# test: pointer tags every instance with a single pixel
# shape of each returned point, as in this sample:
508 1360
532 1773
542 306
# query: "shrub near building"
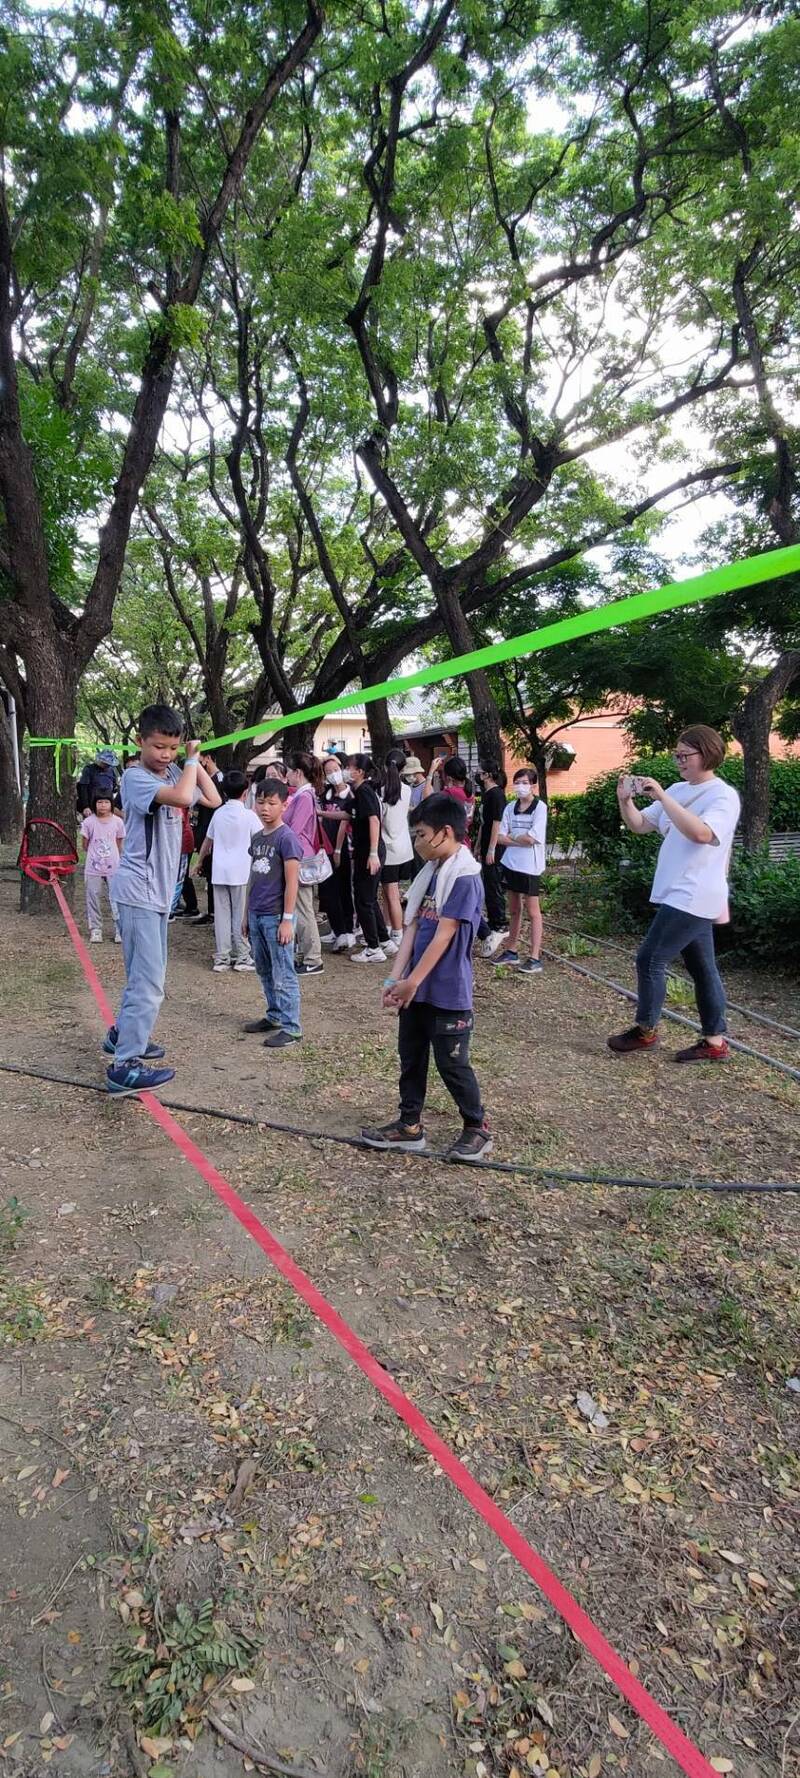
765 893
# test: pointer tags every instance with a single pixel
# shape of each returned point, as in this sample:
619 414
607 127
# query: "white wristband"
285 916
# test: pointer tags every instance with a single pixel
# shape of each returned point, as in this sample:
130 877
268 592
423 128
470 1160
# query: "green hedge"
765 901
765 895
604 839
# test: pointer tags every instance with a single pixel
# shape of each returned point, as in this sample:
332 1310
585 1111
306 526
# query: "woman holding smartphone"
697 818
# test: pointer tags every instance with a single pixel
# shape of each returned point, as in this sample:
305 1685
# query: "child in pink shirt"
102 834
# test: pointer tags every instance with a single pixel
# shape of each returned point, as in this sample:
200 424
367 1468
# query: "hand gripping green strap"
59 745
735 577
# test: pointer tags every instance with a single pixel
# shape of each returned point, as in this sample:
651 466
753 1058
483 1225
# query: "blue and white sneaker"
510 959
132 1078
153 1053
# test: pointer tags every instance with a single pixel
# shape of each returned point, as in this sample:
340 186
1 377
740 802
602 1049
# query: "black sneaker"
506 960
309 968
406 1138
154 1052
281 1040
198 920
254 1025
472 1145
131 1078
534 966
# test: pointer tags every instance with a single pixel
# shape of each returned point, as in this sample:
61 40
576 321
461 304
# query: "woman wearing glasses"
697 818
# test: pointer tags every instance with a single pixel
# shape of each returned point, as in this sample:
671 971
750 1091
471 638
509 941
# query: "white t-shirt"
533 821
395 831
230 831
689 875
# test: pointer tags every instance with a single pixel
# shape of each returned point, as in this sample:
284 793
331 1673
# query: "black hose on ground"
679 975
678 1018
519 1167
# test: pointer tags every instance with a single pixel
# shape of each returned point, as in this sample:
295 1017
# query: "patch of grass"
294 1179
679 992
103 1292
20 1315
290 1321
379 1750
165 1672
658 1209
33 980
575 946
12 1221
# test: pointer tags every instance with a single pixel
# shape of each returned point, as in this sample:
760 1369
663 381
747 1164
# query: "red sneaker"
703 1051
635 1038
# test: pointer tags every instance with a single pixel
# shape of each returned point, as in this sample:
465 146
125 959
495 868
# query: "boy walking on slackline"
154 791
431 983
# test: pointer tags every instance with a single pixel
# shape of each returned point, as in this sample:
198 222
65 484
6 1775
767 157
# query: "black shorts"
397 873
521 882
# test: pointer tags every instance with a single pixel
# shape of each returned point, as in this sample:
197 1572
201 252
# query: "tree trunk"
752 726
488 733
538 757
10 799
51 710
297 739
381 736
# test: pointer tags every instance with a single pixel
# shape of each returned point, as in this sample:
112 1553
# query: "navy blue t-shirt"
449 984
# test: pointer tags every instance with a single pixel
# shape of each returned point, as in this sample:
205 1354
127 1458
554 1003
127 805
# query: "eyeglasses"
681 758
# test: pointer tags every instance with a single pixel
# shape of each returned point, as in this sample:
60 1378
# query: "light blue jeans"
277 974
144 949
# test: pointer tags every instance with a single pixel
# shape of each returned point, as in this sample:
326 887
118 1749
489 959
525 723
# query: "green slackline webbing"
752 571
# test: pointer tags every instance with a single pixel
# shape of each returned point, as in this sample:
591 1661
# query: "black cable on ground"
678 1018
518 1167
680 975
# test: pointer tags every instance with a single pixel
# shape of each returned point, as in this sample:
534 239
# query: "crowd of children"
415 865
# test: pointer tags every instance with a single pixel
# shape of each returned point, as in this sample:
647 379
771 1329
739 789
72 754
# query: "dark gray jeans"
672 933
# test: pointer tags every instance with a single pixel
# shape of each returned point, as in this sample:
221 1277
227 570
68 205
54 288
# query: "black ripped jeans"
423 1028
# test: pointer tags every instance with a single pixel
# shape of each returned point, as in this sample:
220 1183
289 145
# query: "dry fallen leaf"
618 1728
243 1685
731 1556
543 1710
46 1722
595 1766
155 1745
437 1614
59 1477
722 1765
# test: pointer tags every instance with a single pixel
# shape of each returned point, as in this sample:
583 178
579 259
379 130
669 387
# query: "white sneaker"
391 946
244 963
95 937
220 965
376 955
118 938
329 939
493 943
344 942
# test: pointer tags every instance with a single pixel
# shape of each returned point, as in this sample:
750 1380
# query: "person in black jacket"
99 778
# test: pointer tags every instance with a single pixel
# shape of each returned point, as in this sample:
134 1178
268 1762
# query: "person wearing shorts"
522 836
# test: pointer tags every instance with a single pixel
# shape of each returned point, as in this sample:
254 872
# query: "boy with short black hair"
154 792
270 915
230 831
431 983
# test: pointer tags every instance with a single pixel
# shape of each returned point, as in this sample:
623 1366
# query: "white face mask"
336 777
523 788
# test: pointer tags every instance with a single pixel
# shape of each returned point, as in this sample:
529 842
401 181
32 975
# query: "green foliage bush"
765 894
604 839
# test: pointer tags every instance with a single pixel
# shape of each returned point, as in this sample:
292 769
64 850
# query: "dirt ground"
174 1427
